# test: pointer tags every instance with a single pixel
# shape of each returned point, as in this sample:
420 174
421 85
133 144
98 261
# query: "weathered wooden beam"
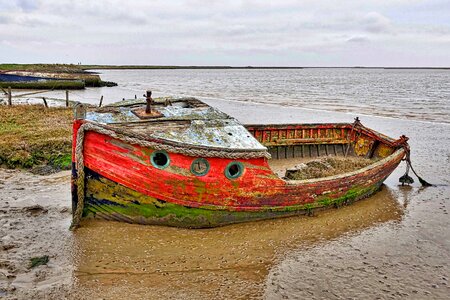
31 93
9 96
305 141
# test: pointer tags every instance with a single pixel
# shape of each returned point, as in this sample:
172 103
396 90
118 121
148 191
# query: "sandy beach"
394 244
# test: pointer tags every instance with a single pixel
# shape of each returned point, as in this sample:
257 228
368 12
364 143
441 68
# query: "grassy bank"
72 76
47 85
31 135
55 68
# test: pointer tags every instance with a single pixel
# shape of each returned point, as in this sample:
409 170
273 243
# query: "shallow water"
411 94
395 244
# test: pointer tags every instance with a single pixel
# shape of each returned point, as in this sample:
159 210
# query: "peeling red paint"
258 187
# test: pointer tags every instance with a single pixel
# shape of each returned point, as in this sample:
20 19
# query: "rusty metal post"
148 98
9 96
67 98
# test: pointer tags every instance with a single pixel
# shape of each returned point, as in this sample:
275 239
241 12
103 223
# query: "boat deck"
191 123
185 121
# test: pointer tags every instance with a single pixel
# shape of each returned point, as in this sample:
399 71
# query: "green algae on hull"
112 201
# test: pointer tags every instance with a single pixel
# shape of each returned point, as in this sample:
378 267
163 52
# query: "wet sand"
34 220
394 244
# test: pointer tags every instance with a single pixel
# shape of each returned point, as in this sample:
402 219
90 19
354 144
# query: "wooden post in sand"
67 98
101 101
45 102
9 96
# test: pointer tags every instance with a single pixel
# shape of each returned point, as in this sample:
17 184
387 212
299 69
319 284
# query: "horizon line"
144 66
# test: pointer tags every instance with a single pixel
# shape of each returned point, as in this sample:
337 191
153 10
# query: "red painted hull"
258 190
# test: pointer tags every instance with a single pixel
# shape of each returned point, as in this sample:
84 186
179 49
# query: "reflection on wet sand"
117 260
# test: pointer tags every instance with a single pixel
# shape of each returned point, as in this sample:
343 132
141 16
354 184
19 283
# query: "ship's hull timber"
109 200
121 184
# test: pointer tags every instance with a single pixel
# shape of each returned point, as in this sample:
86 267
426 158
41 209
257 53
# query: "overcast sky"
238 33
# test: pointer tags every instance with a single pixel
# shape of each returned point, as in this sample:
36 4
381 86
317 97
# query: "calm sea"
412 94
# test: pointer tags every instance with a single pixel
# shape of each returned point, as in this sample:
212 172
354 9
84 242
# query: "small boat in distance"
180 162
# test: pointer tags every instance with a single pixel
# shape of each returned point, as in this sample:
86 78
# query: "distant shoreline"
150 67
79 69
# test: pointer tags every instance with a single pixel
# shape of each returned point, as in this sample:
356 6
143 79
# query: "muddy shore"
395 244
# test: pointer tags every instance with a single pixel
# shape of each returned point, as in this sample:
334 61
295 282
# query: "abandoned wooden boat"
35 80
180 162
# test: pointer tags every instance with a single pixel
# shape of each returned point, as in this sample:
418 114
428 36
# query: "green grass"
62 161
65 68
48 85
38 261
31 135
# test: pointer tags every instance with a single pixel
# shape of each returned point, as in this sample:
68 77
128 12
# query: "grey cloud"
358 39
375 22
218 31
28 5
34 22
25 20
4 19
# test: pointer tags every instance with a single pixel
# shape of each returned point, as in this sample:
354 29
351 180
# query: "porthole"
234 170
200 167
160 159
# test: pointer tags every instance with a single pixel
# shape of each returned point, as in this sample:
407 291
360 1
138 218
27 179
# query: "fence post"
101 101
45 102
67 98
9 96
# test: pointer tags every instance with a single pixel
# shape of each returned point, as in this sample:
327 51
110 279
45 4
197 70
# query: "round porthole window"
200 167
160 159
234 170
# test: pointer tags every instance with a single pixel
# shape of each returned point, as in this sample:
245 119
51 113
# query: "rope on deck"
139 139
